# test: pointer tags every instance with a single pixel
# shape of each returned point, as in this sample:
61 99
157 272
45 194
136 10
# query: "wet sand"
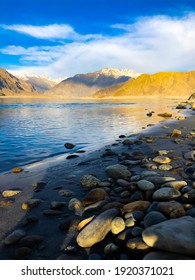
57 232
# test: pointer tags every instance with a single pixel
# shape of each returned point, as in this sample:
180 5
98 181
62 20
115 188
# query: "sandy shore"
55 233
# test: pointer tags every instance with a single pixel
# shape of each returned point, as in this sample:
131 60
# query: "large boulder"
175 235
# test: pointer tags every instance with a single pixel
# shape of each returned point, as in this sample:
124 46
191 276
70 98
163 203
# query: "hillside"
11 86
84 85
40 83
162 84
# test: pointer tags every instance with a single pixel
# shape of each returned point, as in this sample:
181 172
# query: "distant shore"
49 221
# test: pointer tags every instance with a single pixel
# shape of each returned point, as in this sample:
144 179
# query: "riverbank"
56 213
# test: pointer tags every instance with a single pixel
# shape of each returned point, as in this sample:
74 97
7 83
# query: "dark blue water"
33 130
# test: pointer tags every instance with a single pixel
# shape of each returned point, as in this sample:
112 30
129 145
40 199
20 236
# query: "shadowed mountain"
11 86
163 84
84 85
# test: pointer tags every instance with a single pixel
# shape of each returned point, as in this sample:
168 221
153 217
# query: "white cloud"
151 44
52 31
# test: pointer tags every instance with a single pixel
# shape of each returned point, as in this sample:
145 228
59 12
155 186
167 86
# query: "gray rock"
153 218
118 171
97 229
14 237
89 181
158 180
166 194
69 145
175 235
145 185
172 209
137 231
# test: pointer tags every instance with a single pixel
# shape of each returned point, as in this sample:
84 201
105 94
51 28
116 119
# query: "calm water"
33 130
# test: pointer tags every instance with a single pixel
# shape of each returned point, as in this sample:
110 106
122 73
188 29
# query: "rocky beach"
131 200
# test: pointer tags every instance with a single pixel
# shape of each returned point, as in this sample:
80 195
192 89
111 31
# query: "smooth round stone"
89 181
117 225
162 159
30 204
145 185
137 196
69 145
166 194
17 170
65 192
135 178
130 222
175 184
111 248
76 206
30 241
153 218
136 243
175 235
173 209
165 167
137 215
137 231
123 183
127 142
15 236
176 133
125 194
118 171
10 193
105 184
159 180
148 173
94 196
57 204
136 205
97 229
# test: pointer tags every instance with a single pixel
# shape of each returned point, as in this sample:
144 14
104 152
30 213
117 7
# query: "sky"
64 37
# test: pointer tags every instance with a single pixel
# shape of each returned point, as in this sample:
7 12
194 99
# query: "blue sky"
62 38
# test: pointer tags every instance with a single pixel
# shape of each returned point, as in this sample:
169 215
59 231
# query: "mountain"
40 83
11 85
84 85
162 84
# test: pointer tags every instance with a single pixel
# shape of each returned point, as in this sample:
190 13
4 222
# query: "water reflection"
32 130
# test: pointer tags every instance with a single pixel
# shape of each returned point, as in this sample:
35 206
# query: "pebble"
176 133
30 204
153 217
172 209
175 184
6 203
111 248
72 156
145 185
89 181
57 204
165 167
65 193
127 142
136 205
137 231
69 145
30 241
123 183
189 197
76 206
190 155
166 194
118 171
14 237
130 222
158 180
17 170
94 196
136 243
175 235
10 193
161 159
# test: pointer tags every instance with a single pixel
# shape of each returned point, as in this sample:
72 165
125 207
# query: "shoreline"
58 233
